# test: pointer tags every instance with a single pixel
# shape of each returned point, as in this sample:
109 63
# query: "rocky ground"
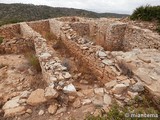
20 100
142 24
76 93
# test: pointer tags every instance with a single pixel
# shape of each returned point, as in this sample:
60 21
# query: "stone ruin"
124 58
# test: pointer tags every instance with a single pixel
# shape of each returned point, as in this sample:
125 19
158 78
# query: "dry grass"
37 82
50 36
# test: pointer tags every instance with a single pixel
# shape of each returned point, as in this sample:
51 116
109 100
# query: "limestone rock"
50 93
88 92
107 99
99 91
119 88
66 75
98 100
86 101
41 112
107 62
52 109
138 87
25 94
61 110
45 55
102 54
77 103
14 111
69 88
11 103
29 111
111 84
36 97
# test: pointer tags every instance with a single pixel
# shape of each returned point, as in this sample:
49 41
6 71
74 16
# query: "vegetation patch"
33 61
9 21
147 13
139 105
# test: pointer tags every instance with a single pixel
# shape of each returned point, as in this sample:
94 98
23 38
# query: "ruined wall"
55 27
92 56
10 31
117 36
52 69
136 37
41 27
82 29
16 45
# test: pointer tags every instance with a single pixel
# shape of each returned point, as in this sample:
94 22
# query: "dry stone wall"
10 31
116 36
55 27
82 29
54 72
41 27
16 45
93 56
136 37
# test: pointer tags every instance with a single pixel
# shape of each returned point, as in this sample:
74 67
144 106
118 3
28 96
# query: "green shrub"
1 40
33 61
10 21
146 13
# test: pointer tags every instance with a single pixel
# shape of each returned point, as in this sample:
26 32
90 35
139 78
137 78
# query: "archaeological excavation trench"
105 57
83 40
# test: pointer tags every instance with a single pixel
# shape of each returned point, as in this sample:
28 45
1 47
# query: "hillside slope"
10 13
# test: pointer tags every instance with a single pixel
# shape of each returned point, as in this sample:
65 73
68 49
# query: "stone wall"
116 36
92 56
82 29
16 45
52 69
10 31
41 27
136 37
55 27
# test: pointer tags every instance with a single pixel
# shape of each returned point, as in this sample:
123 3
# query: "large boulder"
36 97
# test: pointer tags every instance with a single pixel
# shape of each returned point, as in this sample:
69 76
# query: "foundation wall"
16 45
52 69
10 31
136 37
90 59
41 27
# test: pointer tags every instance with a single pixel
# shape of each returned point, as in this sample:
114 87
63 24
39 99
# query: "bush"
10 21
146 13
33 61
1 40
